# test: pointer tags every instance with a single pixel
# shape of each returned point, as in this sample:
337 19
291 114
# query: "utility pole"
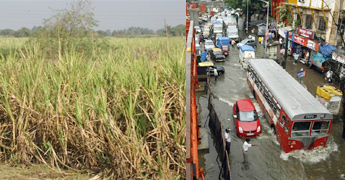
286 45
268 9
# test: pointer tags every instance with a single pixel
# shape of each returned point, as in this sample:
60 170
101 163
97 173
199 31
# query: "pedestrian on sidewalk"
215 74
227 139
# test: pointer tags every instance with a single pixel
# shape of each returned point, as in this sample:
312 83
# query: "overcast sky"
110 14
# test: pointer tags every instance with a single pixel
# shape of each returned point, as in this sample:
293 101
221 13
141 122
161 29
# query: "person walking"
245 148
329 76
227 139
233 42
215 74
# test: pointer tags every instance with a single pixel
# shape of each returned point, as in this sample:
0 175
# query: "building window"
322 24
308 21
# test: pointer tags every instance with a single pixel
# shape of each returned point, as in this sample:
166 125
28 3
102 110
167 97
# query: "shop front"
338 56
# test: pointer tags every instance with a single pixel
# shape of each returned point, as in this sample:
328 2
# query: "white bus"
299 120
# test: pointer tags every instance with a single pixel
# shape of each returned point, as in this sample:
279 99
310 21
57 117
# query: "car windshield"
244 41
218 29
217 52
209 43
247 116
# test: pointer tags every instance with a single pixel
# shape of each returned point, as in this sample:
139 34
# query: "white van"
232 33
246 52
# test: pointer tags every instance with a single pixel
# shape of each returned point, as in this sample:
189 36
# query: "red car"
246 119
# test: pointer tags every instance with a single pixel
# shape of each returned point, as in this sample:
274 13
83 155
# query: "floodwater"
267 161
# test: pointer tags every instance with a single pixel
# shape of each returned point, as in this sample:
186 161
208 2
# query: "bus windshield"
247 116
300 129
320 127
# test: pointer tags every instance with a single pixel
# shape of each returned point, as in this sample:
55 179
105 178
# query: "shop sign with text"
300 40
313 45
306 33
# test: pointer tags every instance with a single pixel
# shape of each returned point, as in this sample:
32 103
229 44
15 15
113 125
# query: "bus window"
300 129
286 124
278 111
320 127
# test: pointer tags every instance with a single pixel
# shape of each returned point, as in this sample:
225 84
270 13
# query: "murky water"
267 161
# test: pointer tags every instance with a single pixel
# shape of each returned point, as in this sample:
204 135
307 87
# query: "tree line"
179 30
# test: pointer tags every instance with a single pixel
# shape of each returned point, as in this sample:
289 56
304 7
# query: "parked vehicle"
246 52
246 119
232 33
197 29
197 47
220 70
215 37
217 55
218 27
248 41
298 119
230 22
223 43
261 29
204 19
209 44
206 31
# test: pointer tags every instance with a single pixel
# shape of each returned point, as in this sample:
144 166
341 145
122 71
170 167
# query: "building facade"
323 17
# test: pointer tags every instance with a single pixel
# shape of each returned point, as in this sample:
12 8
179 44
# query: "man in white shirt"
245 149
227 139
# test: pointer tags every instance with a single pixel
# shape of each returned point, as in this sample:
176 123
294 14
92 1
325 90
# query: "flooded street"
267 161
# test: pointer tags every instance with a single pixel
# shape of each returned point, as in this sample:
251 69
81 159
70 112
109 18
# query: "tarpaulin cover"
318 57
328 91
327 49
246 48
203 56
223 41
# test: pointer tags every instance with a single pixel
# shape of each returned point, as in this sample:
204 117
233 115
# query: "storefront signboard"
306 33
300 40
313 45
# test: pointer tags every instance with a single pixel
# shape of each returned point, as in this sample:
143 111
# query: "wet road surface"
267 161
